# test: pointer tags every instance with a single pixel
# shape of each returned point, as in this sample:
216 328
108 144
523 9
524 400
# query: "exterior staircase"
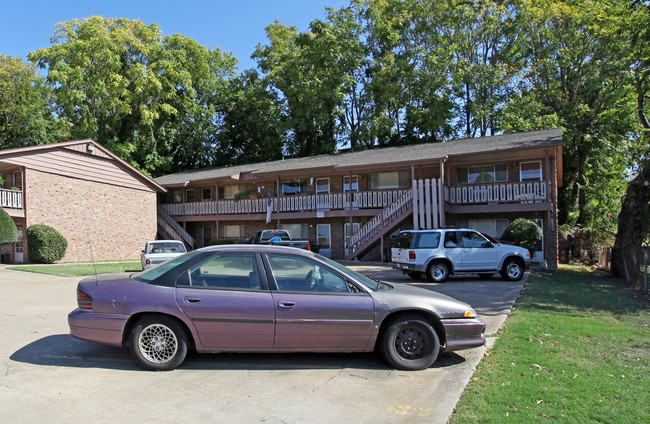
170 229
384 222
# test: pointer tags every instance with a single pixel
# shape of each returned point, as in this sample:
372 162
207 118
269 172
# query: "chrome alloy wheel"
514 271
158 343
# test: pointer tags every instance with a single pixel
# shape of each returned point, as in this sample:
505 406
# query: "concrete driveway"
48 376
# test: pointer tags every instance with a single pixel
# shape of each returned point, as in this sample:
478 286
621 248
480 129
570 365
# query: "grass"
575 349
81 269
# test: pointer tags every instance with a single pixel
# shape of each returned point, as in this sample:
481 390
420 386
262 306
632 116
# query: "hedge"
45 244
8 231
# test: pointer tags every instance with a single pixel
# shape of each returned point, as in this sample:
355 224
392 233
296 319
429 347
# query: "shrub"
8 231
523 232
45 244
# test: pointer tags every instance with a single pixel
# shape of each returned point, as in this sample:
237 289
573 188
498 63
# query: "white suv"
442 252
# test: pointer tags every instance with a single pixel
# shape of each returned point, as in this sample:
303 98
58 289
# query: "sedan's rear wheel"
410 343
158 343
438 271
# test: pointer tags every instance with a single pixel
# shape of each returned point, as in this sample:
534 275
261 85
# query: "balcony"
11 199
290 203
497 193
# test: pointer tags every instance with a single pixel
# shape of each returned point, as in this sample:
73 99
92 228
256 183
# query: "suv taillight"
84 301
411 255
147 261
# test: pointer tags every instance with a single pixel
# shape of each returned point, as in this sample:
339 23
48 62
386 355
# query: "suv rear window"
403 240
428 240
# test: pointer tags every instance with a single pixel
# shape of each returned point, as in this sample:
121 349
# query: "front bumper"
464 333
98 328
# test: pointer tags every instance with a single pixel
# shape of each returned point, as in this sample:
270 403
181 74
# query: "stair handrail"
382 219
184 235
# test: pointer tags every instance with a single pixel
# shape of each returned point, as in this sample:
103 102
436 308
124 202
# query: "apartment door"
348 230
19 246
324 239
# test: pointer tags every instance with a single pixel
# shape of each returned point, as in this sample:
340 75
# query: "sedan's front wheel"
410 343
158 343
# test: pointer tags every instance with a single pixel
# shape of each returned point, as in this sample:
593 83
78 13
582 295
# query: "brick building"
104 207
351 203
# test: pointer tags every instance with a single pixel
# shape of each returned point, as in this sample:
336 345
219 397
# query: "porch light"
515 165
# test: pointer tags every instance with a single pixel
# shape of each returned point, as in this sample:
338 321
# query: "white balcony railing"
497 193
12 199
292 203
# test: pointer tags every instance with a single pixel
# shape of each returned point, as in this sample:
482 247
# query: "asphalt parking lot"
48 376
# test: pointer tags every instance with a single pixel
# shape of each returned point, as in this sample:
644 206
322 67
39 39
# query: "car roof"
255 248
438 229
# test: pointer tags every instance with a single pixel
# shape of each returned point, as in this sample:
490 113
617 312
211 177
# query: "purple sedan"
242 298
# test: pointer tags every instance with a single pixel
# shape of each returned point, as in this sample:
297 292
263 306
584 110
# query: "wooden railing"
12 199
173 229
497 193
291 203
382 220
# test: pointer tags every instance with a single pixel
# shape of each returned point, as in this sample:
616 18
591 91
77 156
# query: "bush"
8 231
523 232
45 244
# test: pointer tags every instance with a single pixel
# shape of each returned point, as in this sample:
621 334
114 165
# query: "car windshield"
367 281
166 247
155 272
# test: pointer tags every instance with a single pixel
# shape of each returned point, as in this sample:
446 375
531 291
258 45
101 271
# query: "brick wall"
114 222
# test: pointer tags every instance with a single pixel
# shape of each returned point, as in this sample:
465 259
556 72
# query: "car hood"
406 296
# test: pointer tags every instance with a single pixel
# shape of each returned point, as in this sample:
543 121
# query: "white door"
347 233
19 246
324 239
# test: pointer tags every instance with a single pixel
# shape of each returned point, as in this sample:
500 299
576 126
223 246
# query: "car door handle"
286 304
192 299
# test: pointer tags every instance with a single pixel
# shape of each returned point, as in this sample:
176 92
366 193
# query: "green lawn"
81 269
576 349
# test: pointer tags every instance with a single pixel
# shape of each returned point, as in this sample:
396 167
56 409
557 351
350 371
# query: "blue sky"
235 26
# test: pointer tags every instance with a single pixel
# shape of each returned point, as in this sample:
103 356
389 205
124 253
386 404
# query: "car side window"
472 239
429 240
451 240
294 273
227 271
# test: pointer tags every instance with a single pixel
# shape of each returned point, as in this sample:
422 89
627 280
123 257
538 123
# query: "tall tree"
26 109
123 84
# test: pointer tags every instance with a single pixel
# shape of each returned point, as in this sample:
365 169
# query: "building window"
206 194
387 180
355 183
530 171
18 179
297 231
229 192
322 185
176 195
189 195
293 187
482 174
232 231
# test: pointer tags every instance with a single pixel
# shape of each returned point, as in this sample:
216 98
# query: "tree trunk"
633 225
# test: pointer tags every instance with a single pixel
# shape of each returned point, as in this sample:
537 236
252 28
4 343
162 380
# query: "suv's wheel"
438 271
158 343
513 269
410 343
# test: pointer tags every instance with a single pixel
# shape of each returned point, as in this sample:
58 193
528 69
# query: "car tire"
485 276
410 343
158 343
416 275
438 271
513 269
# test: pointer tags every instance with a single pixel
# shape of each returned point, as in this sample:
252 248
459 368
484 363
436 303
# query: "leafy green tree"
140 94
26 116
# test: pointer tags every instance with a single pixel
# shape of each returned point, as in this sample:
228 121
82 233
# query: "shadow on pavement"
63 350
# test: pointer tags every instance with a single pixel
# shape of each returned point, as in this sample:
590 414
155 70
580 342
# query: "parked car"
158 251
255 298
279 238
439 253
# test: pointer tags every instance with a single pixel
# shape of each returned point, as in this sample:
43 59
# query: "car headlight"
470 313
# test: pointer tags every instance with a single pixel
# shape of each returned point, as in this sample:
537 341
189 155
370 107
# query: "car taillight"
147 261
84 301
309 246
411 255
